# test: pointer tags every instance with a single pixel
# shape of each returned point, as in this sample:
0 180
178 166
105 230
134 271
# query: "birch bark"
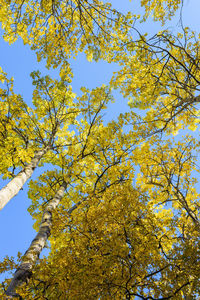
23 273
16 184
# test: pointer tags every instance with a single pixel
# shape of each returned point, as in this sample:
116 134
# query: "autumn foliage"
118 203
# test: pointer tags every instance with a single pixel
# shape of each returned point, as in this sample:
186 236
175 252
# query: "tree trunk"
24 271
16 184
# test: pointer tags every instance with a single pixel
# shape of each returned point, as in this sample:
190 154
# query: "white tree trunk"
24 271
16 184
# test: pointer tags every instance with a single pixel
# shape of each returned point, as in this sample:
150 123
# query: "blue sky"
19 61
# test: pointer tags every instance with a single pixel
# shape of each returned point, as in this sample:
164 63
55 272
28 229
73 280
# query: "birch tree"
91 165
36 130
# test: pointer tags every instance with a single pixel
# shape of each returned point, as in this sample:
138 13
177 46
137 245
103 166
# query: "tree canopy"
116 202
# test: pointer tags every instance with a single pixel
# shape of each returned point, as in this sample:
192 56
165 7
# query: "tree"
119 203
90 166
36 129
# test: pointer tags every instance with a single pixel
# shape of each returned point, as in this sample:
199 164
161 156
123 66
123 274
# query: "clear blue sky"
19 61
